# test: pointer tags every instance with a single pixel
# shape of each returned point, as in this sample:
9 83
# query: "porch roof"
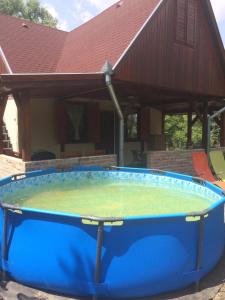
47 85
93 86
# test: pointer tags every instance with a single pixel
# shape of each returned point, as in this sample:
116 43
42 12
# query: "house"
103 89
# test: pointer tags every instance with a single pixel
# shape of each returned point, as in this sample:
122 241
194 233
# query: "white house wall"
43 134
11 121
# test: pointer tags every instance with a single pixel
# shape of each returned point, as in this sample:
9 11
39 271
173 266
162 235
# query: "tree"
176 131
29 10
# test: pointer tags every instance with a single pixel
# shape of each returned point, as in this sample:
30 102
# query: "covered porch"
60 120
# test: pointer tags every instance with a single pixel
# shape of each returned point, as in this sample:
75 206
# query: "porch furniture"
42 155
218 164
202 169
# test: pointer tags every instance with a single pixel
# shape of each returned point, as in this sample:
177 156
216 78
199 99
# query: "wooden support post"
197 112
222 130
189 130
24 127
205 125
3 102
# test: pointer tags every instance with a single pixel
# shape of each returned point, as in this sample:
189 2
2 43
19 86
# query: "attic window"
186 22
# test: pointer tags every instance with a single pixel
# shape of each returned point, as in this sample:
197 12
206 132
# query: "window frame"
84 139
185 41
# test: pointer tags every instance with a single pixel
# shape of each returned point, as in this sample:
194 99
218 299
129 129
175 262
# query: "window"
132 131
186 22
77 124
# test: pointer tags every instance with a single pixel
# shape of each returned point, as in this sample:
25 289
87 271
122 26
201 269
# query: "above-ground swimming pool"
109 232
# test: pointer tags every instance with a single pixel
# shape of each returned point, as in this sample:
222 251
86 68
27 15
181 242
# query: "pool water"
107 198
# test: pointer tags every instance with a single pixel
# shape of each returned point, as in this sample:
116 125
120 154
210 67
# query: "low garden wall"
11 165
174 161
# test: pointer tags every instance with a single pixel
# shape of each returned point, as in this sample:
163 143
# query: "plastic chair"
202 169
201 166
218 164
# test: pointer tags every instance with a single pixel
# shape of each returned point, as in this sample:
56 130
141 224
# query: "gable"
168 56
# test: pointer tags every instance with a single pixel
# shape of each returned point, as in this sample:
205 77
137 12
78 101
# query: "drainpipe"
210 119
107 69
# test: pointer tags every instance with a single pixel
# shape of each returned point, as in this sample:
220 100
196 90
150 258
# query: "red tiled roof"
35 49
105 37
39 49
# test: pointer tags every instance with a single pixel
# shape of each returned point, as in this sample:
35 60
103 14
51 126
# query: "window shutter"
191 22
93 119
181 20
145 124
61 122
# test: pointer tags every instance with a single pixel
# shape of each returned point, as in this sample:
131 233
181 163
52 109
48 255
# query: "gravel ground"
212 288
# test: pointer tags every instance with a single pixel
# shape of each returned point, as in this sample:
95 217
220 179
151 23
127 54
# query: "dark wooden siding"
157 59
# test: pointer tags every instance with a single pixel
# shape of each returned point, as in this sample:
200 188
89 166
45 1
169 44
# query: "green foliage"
29 10
176 131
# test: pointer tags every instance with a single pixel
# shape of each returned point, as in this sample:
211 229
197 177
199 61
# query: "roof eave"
15 82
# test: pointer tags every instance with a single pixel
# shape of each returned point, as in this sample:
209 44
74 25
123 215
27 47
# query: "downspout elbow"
108 80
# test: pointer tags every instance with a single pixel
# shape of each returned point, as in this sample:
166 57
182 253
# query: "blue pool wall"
142 257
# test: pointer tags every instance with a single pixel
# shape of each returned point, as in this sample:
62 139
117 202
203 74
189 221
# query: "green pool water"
108 199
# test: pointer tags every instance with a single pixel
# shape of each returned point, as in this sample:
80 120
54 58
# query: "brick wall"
174 161
11 165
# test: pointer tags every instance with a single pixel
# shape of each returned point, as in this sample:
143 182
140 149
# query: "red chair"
202 169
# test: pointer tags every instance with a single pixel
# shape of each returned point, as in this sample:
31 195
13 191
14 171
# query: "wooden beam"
205 125
3 102
194 120
218 121
197 111
23 103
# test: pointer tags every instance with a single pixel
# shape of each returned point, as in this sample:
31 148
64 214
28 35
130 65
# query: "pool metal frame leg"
5 245
200 247
100 236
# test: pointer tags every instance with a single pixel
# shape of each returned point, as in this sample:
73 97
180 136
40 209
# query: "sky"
72 13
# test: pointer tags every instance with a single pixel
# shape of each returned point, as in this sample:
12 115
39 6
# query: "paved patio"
212 288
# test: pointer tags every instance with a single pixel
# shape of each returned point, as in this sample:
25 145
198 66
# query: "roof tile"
40 49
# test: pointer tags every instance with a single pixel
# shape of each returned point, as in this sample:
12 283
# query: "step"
7 146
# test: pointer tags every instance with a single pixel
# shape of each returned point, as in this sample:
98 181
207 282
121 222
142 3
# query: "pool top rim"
195 180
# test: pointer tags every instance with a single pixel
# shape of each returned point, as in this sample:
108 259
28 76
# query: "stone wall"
11 165
174 161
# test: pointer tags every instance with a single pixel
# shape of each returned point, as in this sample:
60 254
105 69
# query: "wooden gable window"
186 22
